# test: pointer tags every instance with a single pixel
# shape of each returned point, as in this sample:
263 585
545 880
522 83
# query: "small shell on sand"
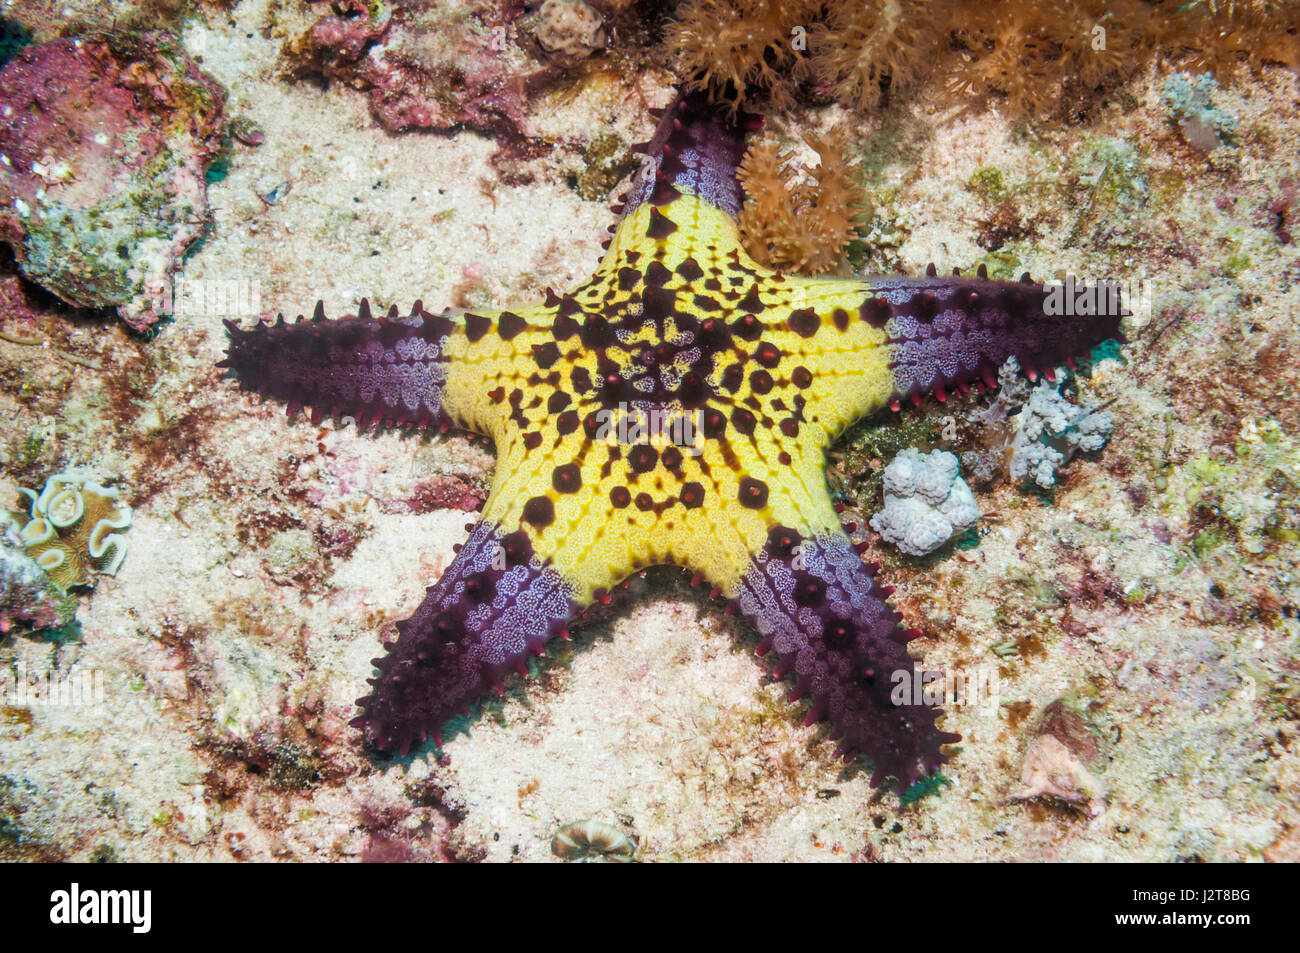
587 841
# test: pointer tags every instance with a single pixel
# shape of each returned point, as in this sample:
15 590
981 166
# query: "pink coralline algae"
427 65
438 493
104 142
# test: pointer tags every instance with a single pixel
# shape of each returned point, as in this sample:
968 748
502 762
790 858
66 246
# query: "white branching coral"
1050 431
1031 433
927 502
73 528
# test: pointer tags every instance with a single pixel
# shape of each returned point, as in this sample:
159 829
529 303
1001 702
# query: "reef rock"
104 142
425 65
27 596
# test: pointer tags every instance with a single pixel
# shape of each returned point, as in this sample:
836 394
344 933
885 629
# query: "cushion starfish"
675 408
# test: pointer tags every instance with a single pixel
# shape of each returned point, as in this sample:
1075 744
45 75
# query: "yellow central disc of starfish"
699 485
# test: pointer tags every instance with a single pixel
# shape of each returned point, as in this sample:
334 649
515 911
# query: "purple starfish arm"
820 610
945 333
493 607
695 147
392 369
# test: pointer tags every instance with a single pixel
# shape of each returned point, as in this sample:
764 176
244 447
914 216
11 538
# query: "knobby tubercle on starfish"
677 322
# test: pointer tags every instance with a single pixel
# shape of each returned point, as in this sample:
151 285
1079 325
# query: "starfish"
676 408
